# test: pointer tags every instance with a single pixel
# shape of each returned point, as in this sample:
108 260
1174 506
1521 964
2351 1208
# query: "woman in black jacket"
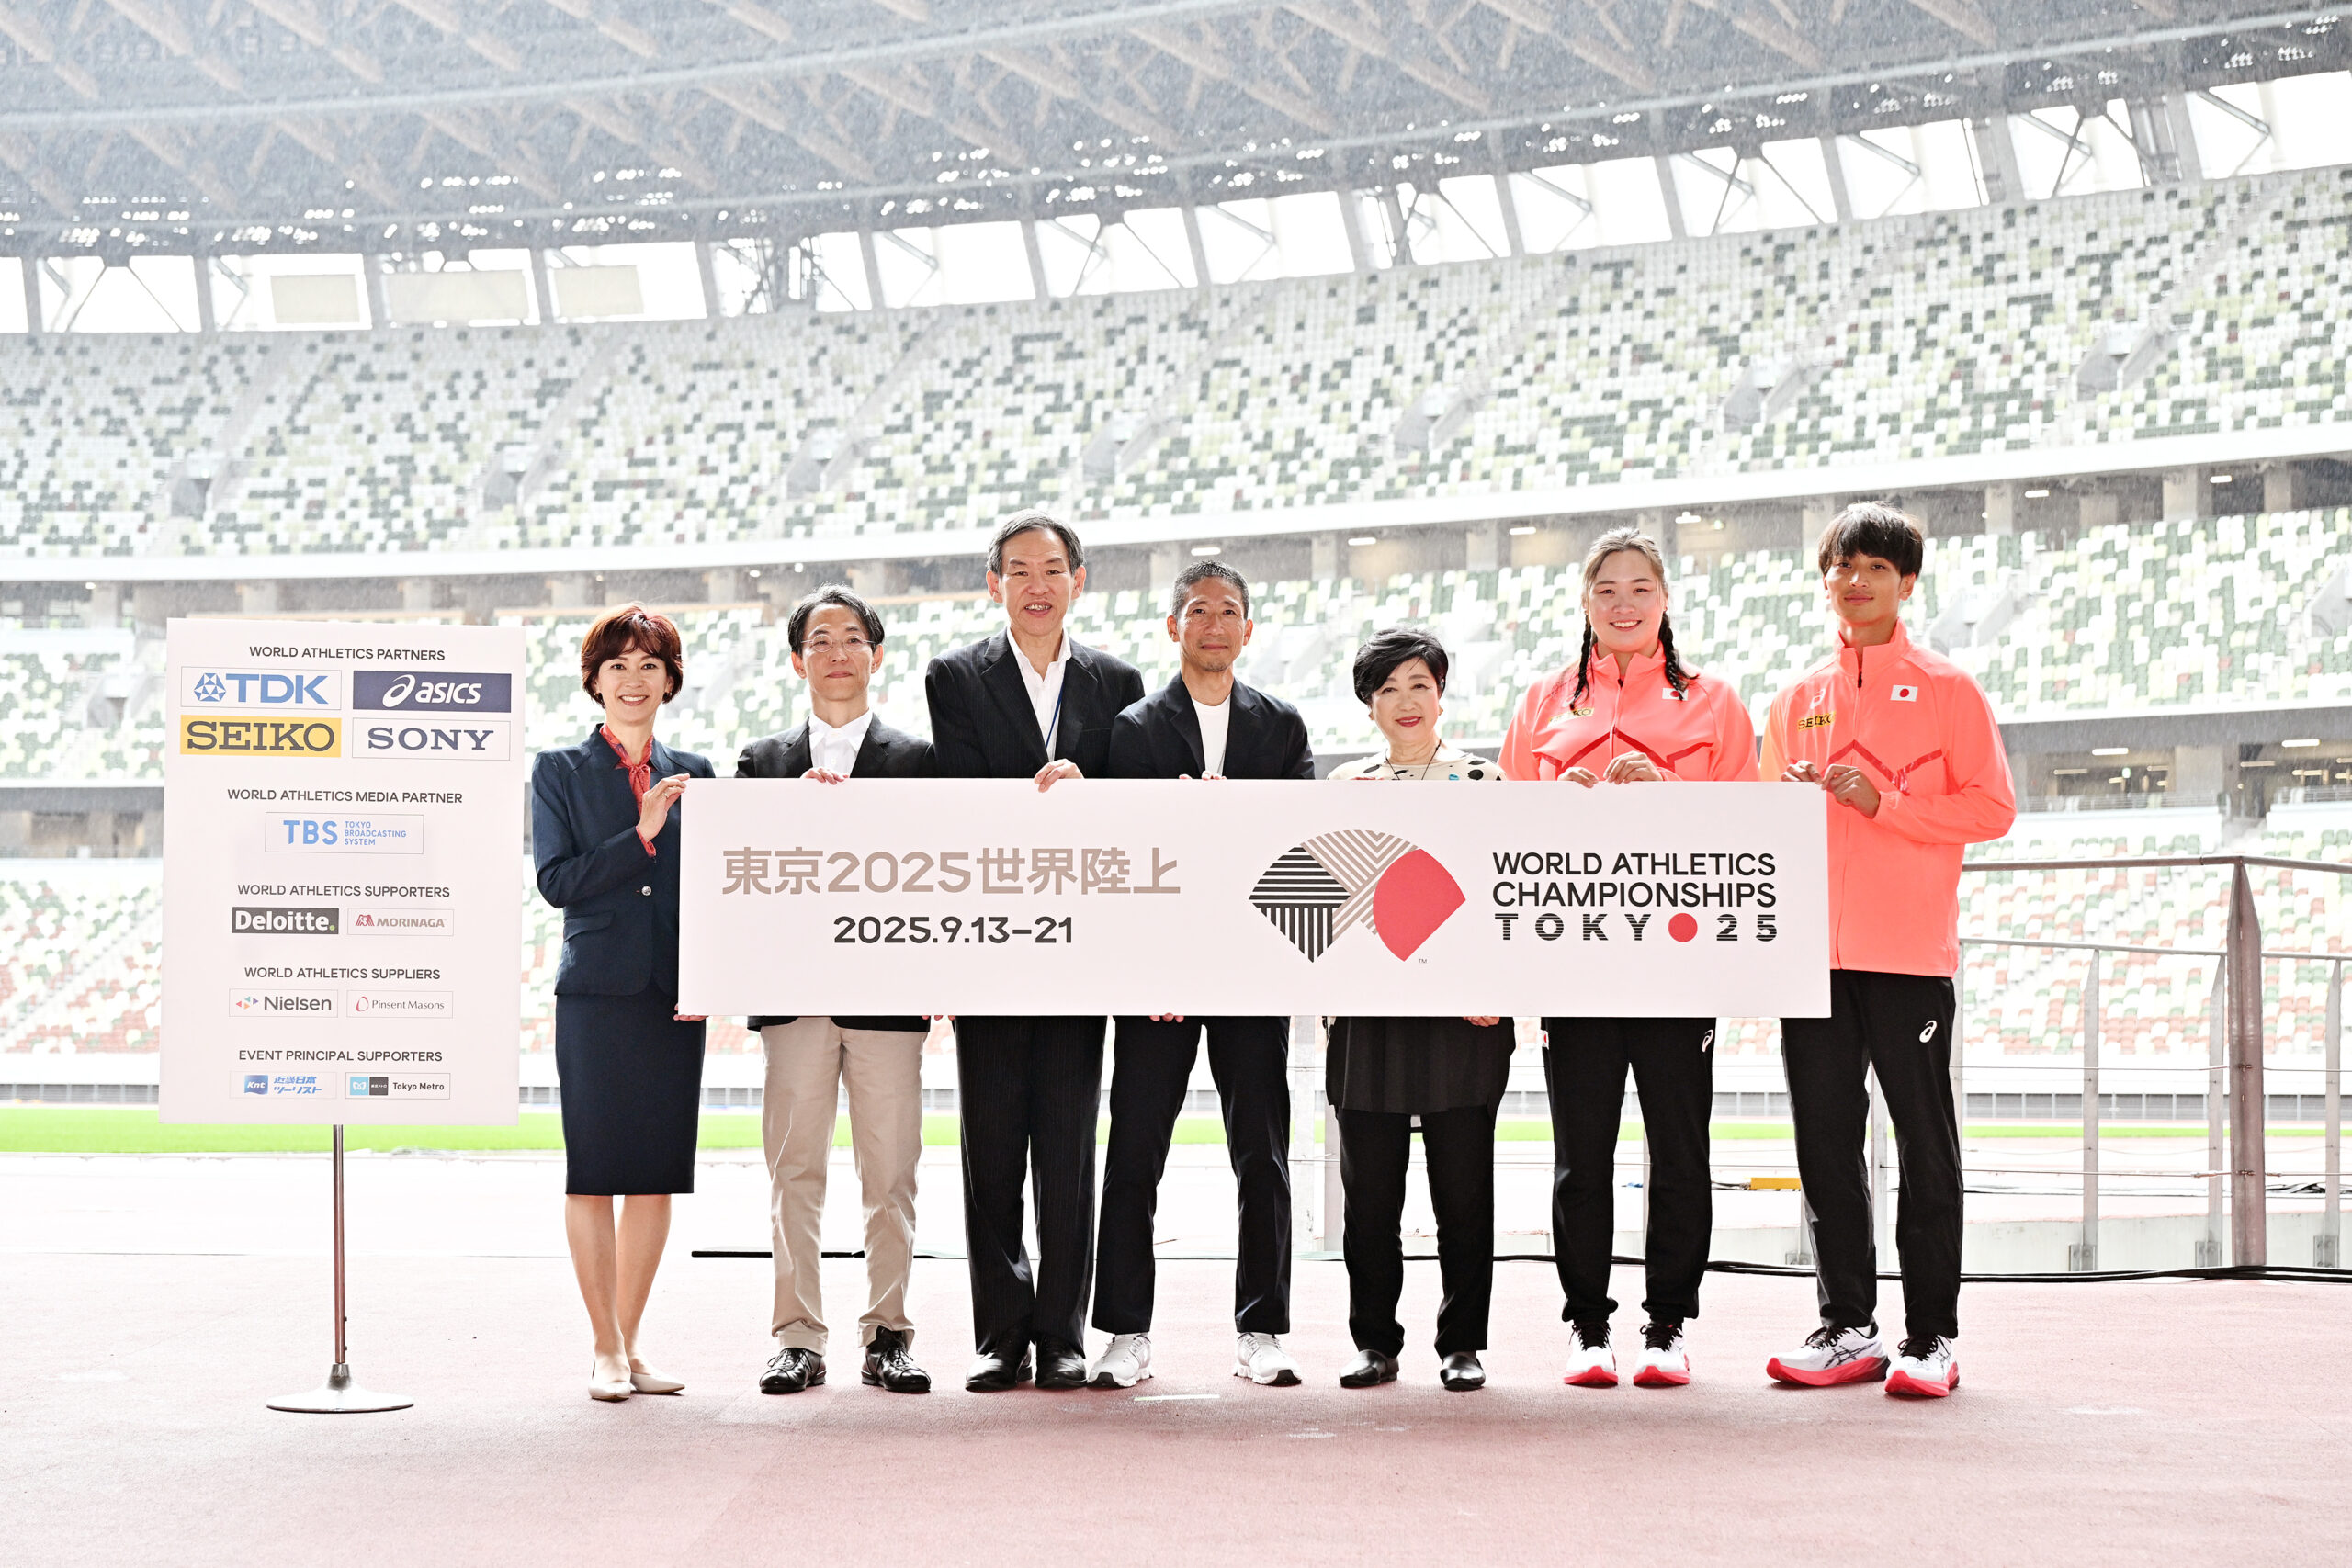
605 836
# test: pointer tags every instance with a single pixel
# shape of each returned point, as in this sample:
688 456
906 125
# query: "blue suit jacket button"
648 892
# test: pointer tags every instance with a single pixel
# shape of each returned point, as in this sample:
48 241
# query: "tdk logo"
278 691
411 691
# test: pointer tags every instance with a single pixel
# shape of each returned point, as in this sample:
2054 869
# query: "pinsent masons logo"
1315 891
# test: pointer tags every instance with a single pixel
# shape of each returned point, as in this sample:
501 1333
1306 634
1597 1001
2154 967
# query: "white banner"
935 896
340 799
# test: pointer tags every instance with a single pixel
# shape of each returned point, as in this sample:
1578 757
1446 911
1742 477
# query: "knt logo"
264 689
1315 891
412 690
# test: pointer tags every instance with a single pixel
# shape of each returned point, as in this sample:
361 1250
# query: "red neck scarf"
640 775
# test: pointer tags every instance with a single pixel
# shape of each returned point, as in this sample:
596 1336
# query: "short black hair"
1200 571
1026 519
796 628
1378 658
1874 528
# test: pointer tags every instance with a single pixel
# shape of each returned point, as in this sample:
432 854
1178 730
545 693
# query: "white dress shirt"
1216 723
1045 691
835 750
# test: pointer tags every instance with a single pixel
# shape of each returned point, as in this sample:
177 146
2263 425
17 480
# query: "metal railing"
2237 1174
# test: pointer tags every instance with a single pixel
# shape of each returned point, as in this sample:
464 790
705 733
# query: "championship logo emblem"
1315 891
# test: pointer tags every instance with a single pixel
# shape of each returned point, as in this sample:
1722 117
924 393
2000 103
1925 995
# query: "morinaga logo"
413 691
270 919
1315 891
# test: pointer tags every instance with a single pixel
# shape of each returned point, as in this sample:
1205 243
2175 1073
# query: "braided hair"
1614 542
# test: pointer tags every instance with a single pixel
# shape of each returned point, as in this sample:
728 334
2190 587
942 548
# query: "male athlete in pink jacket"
1905 745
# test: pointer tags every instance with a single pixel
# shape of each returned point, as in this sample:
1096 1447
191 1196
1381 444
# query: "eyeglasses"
852 646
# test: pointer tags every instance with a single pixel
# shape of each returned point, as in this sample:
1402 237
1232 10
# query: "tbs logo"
411 691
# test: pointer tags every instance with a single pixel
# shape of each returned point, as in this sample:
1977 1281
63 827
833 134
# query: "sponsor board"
396 1086
205 737
284 1086
284 919
223 690
400 922
436 739
259 1003
399 1004
285 832
420 691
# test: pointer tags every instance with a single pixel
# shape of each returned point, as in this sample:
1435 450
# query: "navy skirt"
632 1093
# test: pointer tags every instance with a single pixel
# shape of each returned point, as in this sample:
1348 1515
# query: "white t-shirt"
835 750
1215 724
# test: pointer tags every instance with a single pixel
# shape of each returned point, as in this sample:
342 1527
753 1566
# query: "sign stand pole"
339 1395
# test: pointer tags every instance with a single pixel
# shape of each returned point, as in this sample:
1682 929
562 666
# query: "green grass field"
135 1130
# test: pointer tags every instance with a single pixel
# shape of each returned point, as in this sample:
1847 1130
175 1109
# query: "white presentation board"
343 818
941 895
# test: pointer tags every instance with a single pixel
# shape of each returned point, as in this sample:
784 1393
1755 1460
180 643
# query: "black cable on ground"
2292 1272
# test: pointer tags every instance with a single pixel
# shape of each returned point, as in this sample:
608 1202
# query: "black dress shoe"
792 1369
1060 1366
994 1374
1460 1371
888 1365
1369 1367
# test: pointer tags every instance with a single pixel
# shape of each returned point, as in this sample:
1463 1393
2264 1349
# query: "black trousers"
1030 1089
1375 1148
1900 1025
1151 1063
1674 1069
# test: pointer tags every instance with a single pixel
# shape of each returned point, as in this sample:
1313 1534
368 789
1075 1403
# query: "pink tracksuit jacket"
1702 735
1921 728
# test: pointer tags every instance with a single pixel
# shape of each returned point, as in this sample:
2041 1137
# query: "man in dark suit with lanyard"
1203 725
836 642
1029 702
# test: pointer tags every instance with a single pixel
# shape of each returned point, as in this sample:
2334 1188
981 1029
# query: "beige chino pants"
807 1061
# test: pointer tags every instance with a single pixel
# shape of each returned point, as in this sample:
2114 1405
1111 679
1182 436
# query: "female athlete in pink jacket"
1907 749
1629 712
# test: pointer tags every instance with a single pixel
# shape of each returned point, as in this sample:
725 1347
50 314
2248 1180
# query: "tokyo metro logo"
1314 892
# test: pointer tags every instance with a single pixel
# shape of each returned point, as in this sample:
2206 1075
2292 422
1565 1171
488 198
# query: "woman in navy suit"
604 835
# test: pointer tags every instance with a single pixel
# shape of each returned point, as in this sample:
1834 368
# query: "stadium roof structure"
195 126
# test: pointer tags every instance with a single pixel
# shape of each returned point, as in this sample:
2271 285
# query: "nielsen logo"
254 920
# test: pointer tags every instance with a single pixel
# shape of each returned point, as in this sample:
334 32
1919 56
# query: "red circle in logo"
1682 928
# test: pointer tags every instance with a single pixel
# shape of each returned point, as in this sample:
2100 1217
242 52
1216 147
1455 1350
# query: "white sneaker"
1664 1361
1591 1363
1261 1359
1925 1366
1832 1355
1124 1362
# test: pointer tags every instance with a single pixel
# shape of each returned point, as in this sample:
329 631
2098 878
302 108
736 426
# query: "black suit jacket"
982 724
1159 737
884 753
619 904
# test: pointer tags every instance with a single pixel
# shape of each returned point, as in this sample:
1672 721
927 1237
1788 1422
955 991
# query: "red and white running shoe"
1925 1366
1831 1356
1664 1361
1591 1363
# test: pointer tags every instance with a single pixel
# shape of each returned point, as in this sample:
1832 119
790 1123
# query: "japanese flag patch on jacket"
1906 693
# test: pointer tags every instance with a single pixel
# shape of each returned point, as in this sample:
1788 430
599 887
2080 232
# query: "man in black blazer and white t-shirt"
1029 702
836 643
1203 725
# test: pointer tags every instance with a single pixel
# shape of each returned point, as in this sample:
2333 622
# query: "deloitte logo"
1314 892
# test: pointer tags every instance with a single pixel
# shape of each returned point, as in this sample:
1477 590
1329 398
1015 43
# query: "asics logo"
1705 1041
1928 1033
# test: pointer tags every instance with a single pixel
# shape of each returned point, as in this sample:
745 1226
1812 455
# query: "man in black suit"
1029 702
1203 725
836 644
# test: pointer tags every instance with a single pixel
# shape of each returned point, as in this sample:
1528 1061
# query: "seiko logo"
261 737
409 691
1815 720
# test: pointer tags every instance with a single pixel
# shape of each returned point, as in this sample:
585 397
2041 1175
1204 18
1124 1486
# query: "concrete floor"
2097 1424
